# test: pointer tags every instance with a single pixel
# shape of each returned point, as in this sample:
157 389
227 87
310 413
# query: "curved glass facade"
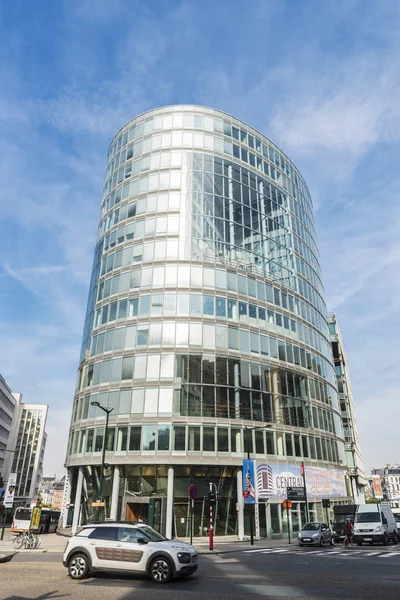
205 315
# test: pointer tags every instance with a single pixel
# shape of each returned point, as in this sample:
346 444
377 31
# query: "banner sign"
249 488
35 520
10 490
273 481
377 485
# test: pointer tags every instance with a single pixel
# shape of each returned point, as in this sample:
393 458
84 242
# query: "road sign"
287 505
192 492
295 493
35 520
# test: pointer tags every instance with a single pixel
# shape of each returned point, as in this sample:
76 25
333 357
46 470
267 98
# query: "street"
282 572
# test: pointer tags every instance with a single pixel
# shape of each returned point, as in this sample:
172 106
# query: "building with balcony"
205 335
389 484
355 476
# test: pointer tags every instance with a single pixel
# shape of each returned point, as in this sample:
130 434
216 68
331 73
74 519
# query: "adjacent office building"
355 476
26 446
7 408
205 334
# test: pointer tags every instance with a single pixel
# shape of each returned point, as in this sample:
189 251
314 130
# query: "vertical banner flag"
10 490
249 487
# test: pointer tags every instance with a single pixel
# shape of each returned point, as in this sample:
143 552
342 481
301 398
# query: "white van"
396 512
375 523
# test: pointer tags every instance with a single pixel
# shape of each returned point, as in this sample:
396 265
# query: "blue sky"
321 79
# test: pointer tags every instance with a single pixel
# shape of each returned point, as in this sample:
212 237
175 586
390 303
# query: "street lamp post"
5 508
103 456
247 430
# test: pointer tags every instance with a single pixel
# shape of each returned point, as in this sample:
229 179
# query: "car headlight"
315 535
184 557
334 532
179 548
379 528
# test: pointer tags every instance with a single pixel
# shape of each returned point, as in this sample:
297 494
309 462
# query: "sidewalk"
221 544
56 542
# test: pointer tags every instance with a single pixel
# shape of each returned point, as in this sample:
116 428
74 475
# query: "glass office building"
205 330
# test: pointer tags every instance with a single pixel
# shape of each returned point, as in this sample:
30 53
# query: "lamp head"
95 403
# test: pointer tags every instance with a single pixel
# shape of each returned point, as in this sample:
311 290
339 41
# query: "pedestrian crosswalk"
352 553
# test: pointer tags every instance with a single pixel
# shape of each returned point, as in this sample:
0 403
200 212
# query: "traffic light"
211 498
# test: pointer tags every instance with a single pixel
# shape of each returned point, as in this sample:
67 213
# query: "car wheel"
385 540
301 544
321 541
394 540
160 570
332 541
78 566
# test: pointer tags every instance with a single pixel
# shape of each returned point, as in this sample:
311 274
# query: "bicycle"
28 540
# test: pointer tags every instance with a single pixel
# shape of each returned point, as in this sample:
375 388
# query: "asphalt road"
277 575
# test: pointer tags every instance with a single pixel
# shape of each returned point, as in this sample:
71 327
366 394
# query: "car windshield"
368 517
311 527
23 513
152 534
341 519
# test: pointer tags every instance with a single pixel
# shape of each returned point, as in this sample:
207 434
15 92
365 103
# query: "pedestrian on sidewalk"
348 537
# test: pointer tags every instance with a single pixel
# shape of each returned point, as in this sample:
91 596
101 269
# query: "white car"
128 547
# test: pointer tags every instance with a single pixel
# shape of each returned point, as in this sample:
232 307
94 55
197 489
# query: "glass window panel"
193 438
116 369
137 401
153 367
270 440
127 368
125 402
163 437
223 439
122 439
135 438
182 334
220 307
149 437
208 439
167 366
140 367
236 440
151 402
165 401
195 304
130 336
179 437
105 371
208 303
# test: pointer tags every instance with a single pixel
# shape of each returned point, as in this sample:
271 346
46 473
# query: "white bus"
48 520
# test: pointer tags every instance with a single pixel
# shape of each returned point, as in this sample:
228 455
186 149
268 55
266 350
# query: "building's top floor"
183 116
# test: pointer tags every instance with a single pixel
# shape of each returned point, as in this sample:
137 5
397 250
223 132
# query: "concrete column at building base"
77 503
240 502
115 495
170 503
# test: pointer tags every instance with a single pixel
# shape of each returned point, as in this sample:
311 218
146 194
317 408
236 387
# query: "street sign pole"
211 522
191 521
303 474
192 492
287 505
